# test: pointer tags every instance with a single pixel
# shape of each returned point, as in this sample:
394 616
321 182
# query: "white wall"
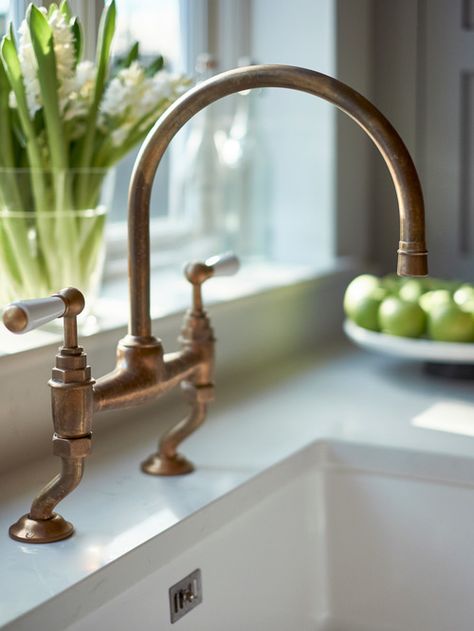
298 129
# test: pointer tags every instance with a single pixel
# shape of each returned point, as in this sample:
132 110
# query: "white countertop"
343 394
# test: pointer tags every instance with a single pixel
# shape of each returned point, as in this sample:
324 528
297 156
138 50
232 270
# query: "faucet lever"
26 315
226 264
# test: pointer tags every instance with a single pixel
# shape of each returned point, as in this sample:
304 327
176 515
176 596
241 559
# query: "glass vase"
52 231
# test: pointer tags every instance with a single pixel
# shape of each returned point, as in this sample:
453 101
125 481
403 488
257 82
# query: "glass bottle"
197 196
247 181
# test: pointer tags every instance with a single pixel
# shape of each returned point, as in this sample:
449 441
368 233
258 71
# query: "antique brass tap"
143 371
72 407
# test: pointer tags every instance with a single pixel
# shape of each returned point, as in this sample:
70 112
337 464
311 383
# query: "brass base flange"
162 465
41 530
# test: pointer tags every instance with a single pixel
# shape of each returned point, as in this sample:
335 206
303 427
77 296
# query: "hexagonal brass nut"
81 375
71 447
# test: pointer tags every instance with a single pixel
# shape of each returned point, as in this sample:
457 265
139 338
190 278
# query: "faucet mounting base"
163 465
41 530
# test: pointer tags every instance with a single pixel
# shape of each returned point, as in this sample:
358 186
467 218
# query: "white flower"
132 98
79 91
119 135
124 91
29 67
64 53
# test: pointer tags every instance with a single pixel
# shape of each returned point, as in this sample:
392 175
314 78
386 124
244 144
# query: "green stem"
109 154
65 225
86 148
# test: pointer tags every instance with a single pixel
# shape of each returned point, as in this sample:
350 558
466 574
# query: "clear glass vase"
52 231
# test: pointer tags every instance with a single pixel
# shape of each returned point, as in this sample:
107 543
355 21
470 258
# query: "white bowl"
410 348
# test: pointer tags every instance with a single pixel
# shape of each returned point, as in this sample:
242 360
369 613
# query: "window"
297 133
4 8
160 28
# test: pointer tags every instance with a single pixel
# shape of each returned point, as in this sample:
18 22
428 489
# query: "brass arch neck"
412 249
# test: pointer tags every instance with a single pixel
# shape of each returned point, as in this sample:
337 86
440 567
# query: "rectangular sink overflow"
185 595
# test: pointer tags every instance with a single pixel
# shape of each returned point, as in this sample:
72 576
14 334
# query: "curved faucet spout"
412 249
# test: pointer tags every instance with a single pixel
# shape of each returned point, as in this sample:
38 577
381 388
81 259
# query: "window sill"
170 295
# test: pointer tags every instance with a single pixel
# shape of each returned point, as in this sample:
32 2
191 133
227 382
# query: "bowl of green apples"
427 319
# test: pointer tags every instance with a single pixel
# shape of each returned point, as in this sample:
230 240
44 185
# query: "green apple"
401 317
411 290
448 323
435 298
463 296
362 299
391 282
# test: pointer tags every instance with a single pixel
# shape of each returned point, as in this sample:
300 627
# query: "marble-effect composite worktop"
342 394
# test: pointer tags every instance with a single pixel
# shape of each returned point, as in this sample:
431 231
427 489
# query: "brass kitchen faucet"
143 371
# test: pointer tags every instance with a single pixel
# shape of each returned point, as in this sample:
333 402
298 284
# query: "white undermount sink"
338 537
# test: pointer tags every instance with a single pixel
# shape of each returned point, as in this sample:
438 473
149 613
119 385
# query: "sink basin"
338 537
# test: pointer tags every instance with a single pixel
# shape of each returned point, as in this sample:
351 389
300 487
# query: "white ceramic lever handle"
226 264
21 317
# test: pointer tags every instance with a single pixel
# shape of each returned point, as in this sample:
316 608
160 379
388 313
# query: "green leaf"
155 66
40 30
125 61
66 10
18 128
78 39
10 257
106 33
43 47
86 146
6 149
133 54
4 85
11 64
38 121
52 8
9 145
